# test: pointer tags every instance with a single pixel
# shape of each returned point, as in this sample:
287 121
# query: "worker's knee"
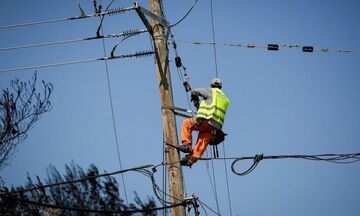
188 123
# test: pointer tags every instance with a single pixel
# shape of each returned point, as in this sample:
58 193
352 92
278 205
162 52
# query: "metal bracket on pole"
148 13
143 12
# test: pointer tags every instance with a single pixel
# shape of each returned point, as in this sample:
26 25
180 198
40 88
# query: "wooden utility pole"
169 123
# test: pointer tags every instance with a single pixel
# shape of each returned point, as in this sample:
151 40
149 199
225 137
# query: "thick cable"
40 187
192 7
102 18
333 158
89 210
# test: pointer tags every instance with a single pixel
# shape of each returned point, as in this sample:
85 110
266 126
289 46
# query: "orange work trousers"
204 136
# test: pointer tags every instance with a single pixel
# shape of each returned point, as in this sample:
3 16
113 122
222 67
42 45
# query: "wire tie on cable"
258 158
153 169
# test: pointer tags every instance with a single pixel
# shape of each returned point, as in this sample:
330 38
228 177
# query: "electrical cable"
332 158
113 118
137 54
202 203
227 181
102 18
48 65
114 35
213 37
40 44
110 12
202 206
252 46
212 184
217 75
192 7
39 187
89 210
215 187
164 171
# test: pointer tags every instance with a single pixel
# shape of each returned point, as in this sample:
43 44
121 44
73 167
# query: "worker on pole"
209 121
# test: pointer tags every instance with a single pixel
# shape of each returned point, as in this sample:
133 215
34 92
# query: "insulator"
174 45
115 11
178 61
273 47
308 49
325 49
138 54
250 46
95 6
187 86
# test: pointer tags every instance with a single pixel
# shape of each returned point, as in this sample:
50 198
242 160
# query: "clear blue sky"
285 102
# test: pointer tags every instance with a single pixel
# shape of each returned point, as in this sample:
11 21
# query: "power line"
202 203
48 65
213 186
270 47
112 113
83 179
90 210
100 14
147 170
192 7
213 37
137 54
333 158
114 35
227 181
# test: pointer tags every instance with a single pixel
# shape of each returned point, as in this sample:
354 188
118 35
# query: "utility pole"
168 116
157 31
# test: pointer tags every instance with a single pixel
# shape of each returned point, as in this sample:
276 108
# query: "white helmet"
216 82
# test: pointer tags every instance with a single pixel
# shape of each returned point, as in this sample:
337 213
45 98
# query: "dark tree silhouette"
21 106
95 193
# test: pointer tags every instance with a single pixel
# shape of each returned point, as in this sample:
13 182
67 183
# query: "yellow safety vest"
217 109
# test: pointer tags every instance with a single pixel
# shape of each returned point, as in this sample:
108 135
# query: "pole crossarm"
148 13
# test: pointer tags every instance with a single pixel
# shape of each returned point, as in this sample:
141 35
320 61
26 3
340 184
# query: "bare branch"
21 106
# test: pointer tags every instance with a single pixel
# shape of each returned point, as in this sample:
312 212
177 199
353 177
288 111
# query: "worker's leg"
203 140
188 126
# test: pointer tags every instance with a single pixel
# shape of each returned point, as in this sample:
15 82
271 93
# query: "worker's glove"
196 104
194 98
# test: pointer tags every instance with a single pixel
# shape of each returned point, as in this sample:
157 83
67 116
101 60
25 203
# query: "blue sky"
285 102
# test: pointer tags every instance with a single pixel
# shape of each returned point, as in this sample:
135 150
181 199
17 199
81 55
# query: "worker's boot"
188 160
185 148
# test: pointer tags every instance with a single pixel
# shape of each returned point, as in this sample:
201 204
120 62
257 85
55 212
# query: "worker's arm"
205 93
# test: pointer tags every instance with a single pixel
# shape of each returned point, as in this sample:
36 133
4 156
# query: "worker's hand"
196 104
194 98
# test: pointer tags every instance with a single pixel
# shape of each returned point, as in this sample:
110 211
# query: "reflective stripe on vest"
217 109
